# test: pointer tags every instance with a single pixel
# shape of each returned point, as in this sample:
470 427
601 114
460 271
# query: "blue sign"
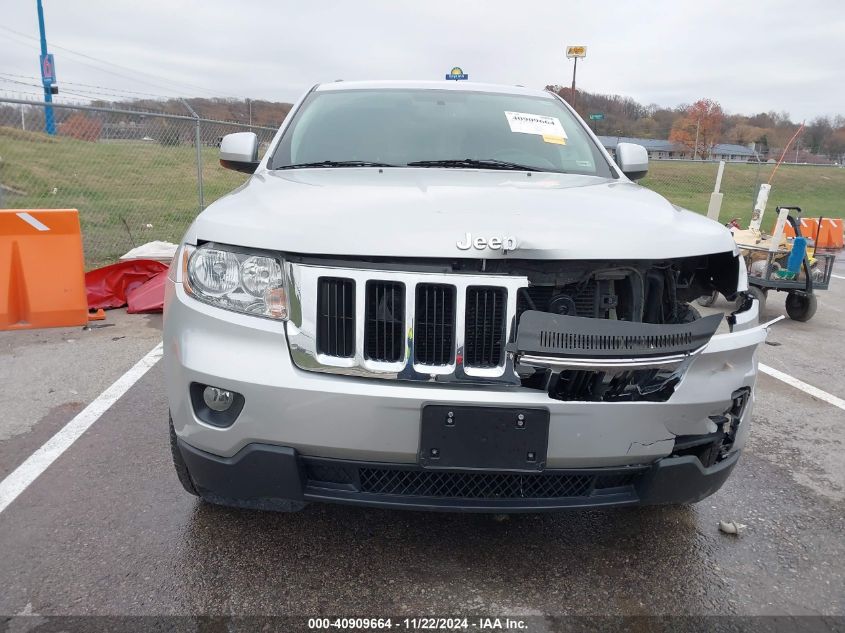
48 70
457 74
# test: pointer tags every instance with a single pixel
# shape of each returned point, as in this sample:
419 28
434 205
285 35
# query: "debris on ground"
110 286
148 297
157 250
731 527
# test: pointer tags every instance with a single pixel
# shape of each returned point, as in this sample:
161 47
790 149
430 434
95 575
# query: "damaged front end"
583 359
602 332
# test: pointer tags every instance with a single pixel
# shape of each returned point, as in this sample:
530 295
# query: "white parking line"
803 386
837 276
19 479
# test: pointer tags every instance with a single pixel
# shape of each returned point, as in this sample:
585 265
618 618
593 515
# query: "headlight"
237 281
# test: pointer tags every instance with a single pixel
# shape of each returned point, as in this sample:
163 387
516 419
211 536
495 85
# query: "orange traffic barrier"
42 269
809 228
830 234
826 232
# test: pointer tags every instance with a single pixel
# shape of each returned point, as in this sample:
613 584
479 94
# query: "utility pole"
49 121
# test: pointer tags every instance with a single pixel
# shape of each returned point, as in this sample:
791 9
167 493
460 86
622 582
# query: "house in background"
659 149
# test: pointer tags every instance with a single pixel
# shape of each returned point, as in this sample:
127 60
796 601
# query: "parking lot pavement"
48 376
106 529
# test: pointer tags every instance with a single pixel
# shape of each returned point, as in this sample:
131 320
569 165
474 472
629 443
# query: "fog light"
218 399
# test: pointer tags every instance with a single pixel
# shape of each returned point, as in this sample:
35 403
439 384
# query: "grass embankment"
819 191
121 188
149 190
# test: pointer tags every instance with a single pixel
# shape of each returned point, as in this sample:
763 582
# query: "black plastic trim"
274 477
236 165
548 334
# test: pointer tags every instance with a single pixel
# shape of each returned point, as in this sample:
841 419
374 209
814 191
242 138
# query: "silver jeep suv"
449 296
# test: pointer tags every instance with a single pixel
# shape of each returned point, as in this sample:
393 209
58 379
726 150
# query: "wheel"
800 307
707 300
760 295
179 463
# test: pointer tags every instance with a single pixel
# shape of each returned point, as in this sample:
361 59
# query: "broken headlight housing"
249 282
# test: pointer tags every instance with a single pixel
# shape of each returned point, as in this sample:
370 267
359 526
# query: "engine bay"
650 293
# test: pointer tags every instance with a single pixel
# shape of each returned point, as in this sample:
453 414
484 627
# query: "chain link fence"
134 176
140 176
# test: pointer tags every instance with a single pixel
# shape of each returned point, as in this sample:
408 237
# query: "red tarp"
112 286
149 297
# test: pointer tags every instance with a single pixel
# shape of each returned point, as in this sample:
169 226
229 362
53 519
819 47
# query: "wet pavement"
107 529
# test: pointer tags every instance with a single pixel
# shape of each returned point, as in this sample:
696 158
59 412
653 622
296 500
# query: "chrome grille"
399 324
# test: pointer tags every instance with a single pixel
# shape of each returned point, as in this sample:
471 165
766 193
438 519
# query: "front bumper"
359 419
277 477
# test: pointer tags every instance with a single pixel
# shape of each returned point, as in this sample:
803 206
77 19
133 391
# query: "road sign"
598 116
48 70
457 74
576 51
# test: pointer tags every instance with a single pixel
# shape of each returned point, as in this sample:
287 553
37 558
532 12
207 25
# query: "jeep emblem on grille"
504 243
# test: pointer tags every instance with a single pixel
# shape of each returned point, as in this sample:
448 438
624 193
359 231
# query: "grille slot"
459 485
434 324
336 317
384 321
485 326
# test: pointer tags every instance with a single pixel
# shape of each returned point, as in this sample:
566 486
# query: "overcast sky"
750 56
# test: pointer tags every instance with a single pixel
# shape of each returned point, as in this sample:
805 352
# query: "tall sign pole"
48 74
574 52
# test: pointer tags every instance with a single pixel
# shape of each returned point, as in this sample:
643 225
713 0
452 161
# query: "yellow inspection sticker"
547 127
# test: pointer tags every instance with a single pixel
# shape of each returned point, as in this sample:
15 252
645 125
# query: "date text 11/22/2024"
419 624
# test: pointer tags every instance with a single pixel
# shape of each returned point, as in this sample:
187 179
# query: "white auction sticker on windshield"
548 127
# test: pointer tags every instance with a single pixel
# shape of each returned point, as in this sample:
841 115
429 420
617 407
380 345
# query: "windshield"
437 128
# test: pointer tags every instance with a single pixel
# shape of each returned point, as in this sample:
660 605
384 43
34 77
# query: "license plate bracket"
484 438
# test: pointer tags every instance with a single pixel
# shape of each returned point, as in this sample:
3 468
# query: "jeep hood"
420 212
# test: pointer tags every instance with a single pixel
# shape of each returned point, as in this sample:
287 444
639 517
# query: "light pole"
49 121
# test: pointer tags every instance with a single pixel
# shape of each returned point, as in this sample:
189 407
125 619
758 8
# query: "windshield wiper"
483 163
336 163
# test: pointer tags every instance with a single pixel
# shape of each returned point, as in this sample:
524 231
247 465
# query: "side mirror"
632 160
239 151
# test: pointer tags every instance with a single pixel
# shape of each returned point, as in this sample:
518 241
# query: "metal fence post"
199 165
198 146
